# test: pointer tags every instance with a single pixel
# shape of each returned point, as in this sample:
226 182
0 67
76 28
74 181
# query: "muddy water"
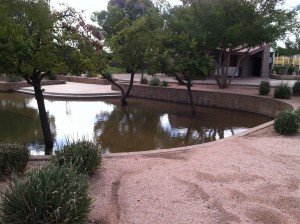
142 125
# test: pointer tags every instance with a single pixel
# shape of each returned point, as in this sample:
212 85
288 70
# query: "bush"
83 156
52 76
282 91
165 83
297 112
154 82
264 88
13 158
279 70
144 81
290 70
14 78
286 122
106 75
296 88
50 194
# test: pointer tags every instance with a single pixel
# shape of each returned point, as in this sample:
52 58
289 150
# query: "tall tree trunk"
44 120
189 90
35 81
124 96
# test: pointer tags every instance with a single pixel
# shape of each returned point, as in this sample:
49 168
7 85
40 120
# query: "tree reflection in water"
142 125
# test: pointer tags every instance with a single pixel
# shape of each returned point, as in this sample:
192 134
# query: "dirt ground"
241 179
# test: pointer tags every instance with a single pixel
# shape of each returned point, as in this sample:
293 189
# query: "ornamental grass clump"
286 122
13 158
264 88
282 91
83 156
296 88
50 194
154 82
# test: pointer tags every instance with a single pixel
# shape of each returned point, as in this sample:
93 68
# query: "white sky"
90 6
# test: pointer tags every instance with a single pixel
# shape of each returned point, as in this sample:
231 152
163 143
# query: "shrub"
14 78
144 81
13 158
106 75
264 88
279 70
296 88
290 70
165 83
297 112
83 156
282 91
52 76
50 194
154 82
286 122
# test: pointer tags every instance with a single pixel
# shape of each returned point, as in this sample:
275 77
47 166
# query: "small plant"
165 83
297 112
282 91
154 82
290 70
83 156
52 76
106 75
286 122
50 194
144 81
264 88
296 88
13 158
279 70
14 78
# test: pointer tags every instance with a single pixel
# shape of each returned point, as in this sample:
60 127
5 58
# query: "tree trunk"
44 120
35 81
124 96
190 95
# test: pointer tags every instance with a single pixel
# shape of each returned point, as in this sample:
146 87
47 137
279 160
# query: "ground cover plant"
264 88
287 122
296 88
83 156
282 91
50 194
13 158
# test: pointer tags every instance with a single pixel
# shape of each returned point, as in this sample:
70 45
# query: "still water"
142 125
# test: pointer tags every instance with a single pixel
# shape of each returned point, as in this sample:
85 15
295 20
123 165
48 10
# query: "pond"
142 125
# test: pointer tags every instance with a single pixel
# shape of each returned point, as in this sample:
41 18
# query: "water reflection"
143 125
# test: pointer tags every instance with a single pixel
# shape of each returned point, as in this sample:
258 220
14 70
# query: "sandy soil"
241 179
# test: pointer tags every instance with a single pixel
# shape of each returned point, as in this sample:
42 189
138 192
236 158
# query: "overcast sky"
90 6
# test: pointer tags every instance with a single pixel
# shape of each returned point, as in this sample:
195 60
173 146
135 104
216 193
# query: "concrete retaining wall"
10 86
86 80
255 104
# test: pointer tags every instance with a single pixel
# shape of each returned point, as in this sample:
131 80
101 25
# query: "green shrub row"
57 193
154 82
287 122
282 91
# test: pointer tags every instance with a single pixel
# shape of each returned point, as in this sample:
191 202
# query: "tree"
291 49
35 42
185 56
131 30
237 25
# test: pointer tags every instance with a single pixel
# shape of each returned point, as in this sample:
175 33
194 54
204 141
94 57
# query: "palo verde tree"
130 29
232 26
184 55
35 42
